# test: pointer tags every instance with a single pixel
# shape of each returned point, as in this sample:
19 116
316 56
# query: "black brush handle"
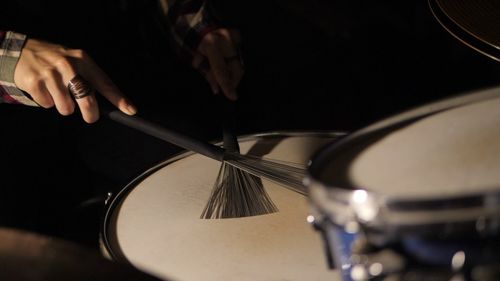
168 135
230 140
228 109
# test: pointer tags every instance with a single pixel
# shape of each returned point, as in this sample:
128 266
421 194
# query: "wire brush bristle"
237 193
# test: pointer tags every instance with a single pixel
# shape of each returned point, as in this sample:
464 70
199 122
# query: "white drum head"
155 225
433 170
453 153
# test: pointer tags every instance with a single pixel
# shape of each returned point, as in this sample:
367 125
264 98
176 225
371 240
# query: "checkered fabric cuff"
11 44
189 22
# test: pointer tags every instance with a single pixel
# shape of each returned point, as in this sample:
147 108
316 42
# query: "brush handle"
278 173
228 121
168 135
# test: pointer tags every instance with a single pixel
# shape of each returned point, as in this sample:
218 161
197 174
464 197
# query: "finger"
89 108
109 90
210 77
103 84
237 71
88 105
221 43
197 60
221 72
230 48
235 38
35 87
55 85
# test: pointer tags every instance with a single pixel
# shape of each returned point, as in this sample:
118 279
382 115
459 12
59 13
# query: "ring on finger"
79 87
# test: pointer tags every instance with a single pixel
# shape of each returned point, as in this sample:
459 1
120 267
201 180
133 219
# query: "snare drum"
416 196
154 223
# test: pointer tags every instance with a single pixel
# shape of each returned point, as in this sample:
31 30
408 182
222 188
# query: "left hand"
220 49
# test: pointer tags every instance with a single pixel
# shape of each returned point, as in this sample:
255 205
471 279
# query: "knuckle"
208 41
48 72
209 38
63 63
33 82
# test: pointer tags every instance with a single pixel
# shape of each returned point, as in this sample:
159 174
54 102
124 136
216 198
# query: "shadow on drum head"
265 145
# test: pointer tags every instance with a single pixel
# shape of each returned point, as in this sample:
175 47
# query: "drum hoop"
393 212
115 200
462 34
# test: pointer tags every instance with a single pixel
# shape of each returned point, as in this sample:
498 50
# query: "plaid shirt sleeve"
11 44
189 22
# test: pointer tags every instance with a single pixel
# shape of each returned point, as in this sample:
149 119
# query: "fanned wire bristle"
237 193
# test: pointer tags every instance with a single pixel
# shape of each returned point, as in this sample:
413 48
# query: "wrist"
10 51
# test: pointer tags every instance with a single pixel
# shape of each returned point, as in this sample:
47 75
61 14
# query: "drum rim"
114 200
462 34
342 204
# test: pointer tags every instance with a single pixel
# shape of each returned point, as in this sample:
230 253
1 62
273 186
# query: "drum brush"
238 191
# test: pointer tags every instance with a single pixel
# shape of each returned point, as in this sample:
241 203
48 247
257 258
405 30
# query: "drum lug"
315 219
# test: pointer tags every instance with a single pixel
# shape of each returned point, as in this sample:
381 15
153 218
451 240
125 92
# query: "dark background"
310 65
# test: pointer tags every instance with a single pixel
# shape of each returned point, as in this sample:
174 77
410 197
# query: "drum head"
154 223
450 154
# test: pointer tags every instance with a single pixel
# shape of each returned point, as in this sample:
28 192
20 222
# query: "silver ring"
79 87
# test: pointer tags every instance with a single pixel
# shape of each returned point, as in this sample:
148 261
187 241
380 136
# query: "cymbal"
30 257
474 22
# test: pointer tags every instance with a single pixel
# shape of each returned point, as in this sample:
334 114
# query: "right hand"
44 70
225 69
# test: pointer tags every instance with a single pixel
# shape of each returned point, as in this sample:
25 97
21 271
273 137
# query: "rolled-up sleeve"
11 45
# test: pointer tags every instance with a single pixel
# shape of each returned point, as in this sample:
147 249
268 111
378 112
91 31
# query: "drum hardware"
288 176
415 196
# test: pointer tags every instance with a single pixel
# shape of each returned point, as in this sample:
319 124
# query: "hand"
44 70
220 49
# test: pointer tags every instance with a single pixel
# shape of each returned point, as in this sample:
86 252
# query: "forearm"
11 45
